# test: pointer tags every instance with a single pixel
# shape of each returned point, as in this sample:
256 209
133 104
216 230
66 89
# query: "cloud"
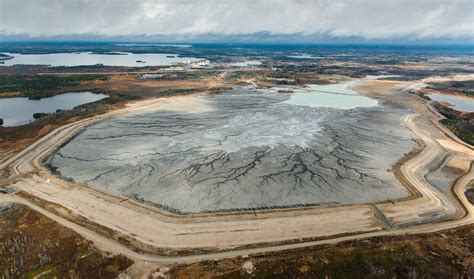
370 19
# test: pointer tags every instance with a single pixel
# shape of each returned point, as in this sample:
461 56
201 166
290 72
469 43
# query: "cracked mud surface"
250 151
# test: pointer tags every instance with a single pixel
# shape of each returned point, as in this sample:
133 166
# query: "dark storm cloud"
369 19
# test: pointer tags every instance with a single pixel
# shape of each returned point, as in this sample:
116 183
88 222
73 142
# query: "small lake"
304 56
331 95
459 103
18 111
118 59
246 63
372 77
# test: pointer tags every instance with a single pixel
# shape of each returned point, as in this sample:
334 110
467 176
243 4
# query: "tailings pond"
245 148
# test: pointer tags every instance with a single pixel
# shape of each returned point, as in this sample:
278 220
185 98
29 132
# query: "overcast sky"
368 19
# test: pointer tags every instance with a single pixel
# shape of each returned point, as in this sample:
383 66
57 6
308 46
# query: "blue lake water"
18 111
86 58
459 103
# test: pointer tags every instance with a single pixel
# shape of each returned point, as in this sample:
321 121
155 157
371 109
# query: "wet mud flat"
252 149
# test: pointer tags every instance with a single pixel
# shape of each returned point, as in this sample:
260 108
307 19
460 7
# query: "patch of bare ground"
383 89
33 246
134 85
448 254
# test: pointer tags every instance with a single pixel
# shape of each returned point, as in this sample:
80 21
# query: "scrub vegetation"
447 254
460 123
40 86
465 87
33 246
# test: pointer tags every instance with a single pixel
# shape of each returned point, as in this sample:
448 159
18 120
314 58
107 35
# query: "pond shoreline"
16 111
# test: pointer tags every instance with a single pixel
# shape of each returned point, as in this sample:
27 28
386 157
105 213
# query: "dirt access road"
160 235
